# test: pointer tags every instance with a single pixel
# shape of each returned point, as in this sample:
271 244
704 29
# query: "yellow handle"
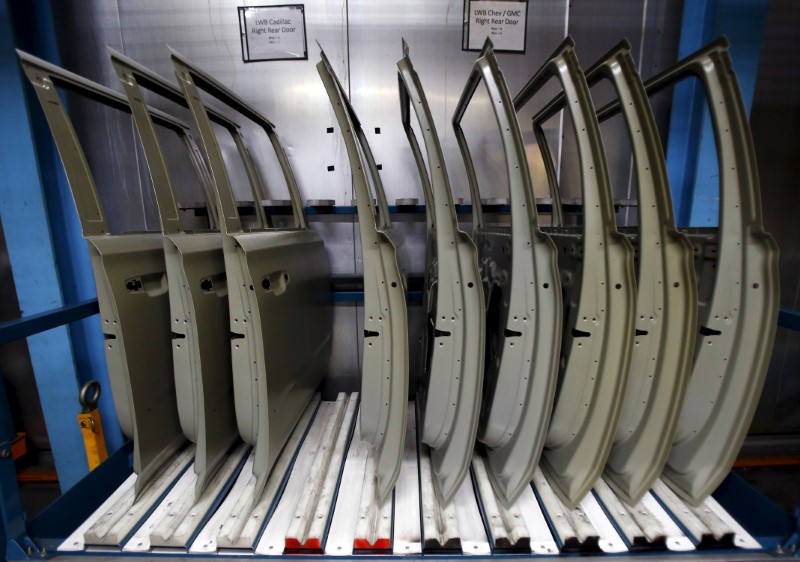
93 439
91 425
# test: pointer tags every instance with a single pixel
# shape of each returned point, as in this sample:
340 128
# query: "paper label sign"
502 21
273 32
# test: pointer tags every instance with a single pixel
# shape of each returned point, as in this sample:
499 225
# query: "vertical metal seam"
133 129
639 60
353 219
561 115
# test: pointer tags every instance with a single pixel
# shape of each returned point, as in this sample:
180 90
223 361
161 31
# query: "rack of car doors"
584 388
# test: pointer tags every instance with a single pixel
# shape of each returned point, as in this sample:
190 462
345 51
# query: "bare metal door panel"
384 379
136 330
666 297
738 297
130 273
666 305
524 308
452 374
597 278
280 318
201 349
198 296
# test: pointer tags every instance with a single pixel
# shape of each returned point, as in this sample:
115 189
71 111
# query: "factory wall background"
362 38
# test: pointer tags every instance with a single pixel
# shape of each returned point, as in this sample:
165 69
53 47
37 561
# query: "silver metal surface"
384 380
278 281
130 273
523 304
453 341
597 277
738 299
376 31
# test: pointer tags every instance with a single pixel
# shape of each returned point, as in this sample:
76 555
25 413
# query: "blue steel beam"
12 519
36 34
37 323
688 110
789 318
30 249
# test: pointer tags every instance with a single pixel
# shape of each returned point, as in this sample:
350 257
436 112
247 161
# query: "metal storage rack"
309 502
736 523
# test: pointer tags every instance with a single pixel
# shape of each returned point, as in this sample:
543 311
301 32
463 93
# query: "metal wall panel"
433 31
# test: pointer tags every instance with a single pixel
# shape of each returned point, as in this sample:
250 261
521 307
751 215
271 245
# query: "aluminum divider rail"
342 533
198 294
597 277
384 380
314 510
519 268
739 318
638 526
666 298
130 273
179 516
233 526
449 398
358 525
703 525
277 289
110 526
301 517
407 526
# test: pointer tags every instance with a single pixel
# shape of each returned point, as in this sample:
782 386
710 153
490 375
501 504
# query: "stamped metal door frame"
738 319
666 297
130 273
520 274
597 277
384 379
449 397
278 280
198 295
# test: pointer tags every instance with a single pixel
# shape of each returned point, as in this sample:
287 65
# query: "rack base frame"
744 525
